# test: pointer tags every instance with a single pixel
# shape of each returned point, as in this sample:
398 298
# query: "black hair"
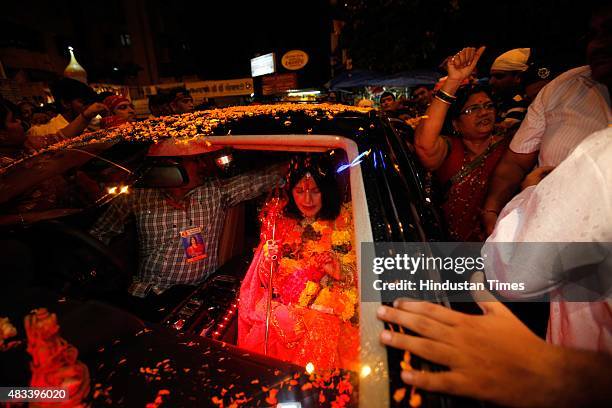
176 91
47 108
103 95
323 175
385 94
463 94
428 87
24 102
154 100
67 90
6 107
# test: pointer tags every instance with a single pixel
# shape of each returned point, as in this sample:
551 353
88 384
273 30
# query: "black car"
183 354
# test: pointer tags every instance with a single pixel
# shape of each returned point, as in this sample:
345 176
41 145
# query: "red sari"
465 197
314 309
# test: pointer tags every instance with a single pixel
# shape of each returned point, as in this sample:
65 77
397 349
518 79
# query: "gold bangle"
442 100
453 97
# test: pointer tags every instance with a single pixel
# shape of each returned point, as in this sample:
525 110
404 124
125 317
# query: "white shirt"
572 204
566 111
50 128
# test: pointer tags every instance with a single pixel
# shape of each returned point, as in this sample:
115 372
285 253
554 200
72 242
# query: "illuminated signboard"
294 60
263 65
279 83
212 89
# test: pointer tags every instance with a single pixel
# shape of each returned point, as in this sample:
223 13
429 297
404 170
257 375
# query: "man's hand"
461 65
536 176
40 142
504 183
493 357
93 110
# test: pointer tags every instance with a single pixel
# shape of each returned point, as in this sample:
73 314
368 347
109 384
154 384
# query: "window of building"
126 41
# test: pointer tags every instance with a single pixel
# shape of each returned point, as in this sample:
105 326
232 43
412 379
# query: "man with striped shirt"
567 110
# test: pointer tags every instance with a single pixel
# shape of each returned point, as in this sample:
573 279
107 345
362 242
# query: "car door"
401 211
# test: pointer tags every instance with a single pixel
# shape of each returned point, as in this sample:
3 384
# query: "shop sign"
278 83
214 89
263 65
294 60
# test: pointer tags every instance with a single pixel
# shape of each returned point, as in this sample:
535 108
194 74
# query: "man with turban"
568 109
121 110
506 80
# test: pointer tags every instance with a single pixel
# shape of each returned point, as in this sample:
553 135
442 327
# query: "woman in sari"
307 245
462 163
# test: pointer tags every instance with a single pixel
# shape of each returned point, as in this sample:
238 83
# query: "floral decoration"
317 268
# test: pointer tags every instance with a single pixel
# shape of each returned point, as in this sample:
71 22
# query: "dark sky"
394 35
227 34
224 35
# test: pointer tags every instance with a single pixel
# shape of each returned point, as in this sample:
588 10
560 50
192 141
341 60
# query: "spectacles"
489 106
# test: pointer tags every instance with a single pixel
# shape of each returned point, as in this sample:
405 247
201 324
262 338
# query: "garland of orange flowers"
300 277
195 125
415 400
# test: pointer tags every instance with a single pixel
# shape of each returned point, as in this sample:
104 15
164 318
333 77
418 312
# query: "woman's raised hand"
461 65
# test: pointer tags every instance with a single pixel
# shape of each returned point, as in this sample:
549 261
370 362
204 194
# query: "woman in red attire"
314 307
462 163
195 248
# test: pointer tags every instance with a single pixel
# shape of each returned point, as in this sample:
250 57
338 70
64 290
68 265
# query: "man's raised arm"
504 184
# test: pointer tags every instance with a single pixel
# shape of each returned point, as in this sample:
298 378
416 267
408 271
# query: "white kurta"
572 204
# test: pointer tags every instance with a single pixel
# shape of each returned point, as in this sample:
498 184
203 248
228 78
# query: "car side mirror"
163 176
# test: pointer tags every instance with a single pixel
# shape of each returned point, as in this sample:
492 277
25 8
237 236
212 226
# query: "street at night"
358 203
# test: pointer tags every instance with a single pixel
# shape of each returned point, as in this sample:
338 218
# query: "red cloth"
297 334
195 250
112 101
463 204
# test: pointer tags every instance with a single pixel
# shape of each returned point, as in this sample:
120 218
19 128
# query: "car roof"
281 118
191 129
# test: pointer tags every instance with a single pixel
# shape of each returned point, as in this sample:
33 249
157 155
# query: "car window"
314 295
414 179
75 178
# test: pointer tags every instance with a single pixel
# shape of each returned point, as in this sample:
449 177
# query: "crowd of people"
77 109
551 139
522 158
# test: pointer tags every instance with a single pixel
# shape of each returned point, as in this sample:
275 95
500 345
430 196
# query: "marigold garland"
317 268
192 126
